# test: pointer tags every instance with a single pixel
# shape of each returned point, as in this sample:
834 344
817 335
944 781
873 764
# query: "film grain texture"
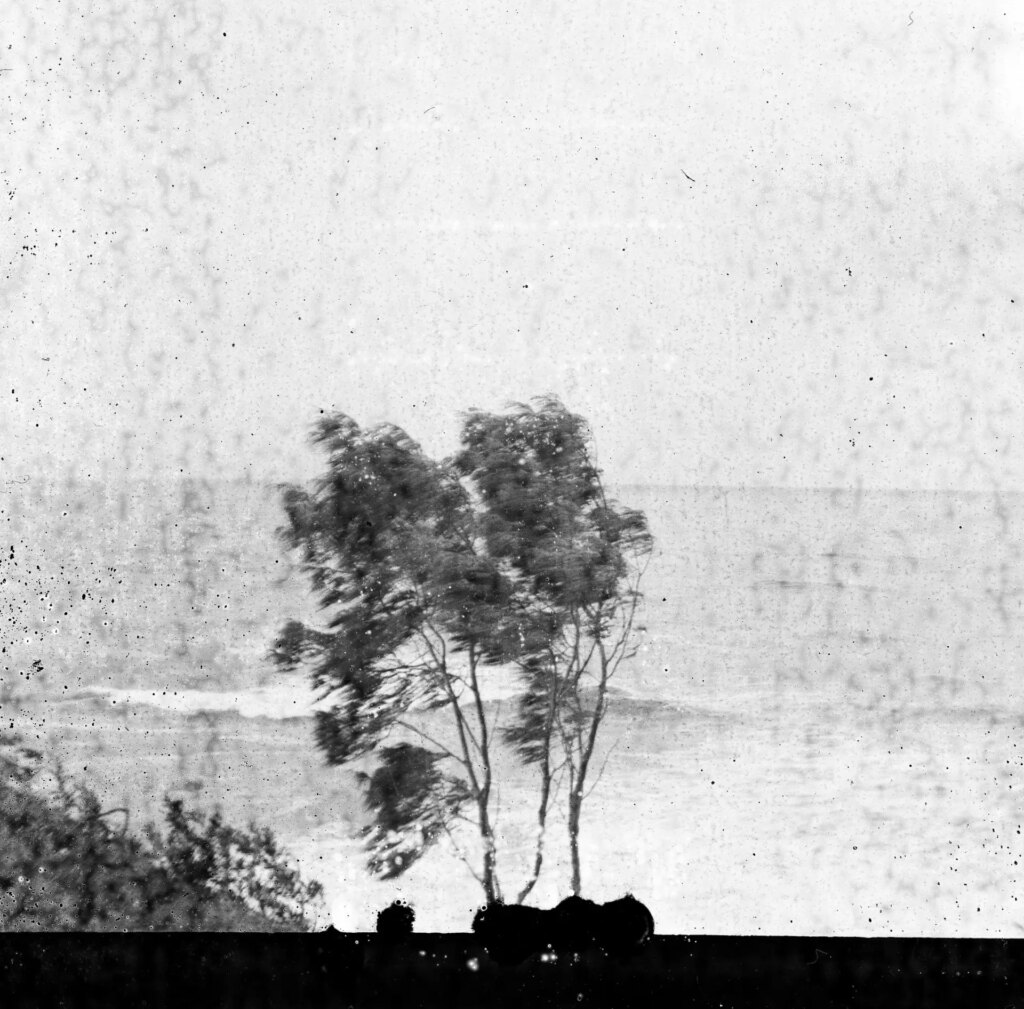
770 256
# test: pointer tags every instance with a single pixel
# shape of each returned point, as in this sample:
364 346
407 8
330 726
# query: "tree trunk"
542 815
490 879
575 808
492 888
576 787
545 792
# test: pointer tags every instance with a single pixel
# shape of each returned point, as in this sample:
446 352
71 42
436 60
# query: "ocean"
818 735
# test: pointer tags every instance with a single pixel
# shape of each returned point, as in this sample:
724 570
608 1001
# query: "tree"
581 558
388 542
431 574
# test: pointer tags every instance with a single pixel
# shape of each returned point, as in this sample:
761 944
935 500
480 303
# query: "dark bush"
511 933
396 920
66 863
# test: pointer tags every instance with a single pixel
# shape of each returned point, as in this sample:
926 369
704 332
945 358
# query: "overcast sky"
765 242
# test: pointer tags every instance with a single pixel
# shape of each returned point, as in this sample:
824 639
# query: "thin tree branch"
462 856
460 720
430 739
597 780
481 717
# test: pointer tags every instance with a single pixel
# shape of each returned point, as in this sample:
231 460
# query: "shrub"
68 864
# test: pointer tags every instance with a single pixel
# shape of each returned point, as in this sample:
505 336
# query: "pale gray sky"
757 242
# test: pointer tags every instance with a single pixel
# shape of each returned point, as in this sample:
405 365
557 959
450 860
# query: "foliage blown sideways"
430 574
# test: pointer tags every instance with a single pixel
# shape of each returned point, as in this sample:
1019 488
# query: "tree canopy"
429 573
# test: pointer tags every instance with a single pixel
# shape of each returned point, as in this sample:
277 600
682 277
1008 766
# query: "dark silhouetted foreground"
330 969
511 933
396 920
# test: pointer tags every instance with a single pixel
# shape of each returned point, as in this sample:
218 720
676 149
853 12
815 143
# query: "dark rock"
396 921
575 924
624 925
512 932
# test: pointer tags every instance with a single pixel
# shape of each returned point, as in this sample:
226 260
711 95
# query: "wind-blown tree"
387 539
581 556
430 574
